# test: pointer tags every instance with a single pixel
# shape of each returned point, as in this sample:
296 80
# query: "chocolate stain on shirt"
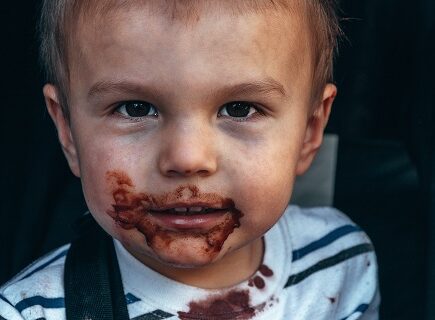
272 301
332 299
131 210
234 304
257 280
265 270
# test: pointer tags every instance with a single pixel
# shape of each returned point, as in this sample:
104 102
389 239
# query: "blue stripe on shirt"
130 298
47 303
361 308
5 300
324 241
56 303
42 266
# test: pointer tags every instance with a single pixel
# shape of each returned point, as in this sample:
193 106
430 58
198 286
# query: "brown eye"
137 109
237 109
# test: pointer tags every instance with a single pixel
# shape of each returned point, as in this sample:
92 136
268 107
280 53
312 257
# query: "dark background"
384 116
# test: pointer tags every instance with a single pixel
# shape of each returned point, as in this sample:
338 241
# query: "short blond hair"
58 18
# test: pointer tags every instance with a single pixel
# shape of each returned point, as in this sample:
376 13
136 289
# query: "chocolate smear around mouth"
131 209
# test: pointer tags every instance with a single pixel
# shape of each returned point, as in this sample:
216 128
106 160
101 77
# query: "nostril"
203 173
173 173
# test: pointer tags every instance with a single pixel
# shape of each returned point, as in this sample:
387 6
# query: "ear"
63 127
315 127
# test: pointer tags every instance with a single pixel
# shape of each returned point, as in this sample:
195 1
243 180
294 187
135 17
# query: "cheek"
96 158
267 194
263 184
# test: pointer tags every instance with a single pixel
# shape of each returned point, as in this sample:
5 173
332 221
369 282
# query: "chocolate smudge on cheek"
231 305
131 210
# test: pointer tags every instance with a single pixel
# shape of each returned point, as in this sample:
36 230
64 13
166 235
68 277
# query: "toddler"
187 123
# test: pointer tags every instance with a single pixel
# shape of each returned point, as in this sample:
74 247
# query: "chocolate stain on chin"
131 210
232 305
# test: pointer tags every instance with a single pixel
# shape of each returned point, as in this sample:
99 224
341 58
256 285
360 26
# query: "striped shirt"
317 265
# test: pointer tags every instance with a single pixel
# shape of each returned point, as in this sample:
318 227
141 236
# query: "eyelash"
258 112
126 104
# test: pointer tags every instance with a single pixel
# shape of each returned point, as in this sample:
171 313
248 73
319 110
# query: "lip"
189 215
189 211
219 205
196 222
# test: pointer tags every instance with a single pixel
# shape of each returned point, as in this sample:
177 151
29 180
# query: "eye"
237 109
137 109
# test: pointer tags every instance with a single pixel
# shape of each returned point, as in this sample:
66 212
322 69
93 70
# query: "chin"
185 254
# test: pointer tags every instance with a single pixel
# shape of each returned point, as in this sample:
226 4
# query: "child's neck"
232 269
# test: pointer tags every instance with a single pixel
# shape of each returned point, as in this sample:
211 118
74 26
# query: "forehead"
143 42
186 11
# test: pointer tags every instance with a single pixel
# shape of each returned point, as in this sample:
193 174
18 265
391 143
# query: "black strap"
93 285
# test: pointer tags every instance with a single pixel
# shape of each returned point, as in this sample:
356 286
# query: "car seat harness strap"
92 279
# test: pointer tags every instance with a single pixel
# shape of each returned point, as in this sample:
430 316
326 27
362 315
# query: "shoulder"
36 288
333 261
313 229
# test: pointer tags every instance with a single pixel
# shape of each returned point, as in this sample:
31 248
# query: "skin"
189 72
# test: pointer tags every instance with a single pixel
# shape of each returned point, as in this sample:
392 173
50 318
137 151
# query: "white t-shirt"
317 265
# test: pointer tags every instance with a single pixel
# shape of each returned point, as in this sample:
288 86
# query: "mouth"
197 216
182 224
189 210
181 216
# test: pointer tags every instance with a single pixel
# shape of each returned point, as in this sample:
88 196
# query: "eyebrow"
265 86
116 86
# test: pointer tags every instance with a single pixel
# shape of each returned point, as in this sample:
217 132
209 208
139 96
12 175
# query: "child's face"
212 115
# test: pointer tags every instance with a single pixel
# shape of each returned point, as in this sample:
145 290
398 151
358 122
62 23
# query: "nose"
187 150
